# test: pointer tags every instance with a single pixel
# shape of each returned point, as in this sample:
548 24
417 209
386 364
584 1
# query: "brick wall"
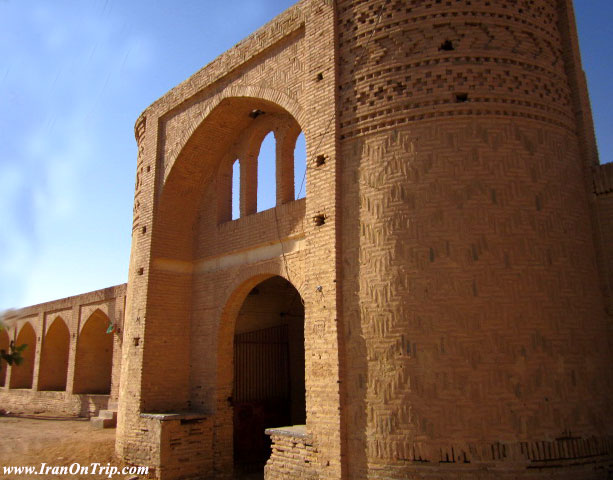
603 193
191 272
54 378
293 454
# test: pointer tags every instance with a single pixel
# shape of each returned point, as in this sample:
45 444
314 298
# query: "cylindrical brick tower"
475 338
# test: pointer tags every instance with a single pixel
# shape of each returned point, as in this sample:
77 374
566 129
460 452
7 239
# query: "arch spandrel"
96 313
33 322
63 316
89 311
51 323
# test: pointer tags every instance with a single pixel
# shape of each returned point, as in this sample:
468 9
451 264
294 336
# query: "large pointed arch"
94 359
239 123
22 374
241 92
53 368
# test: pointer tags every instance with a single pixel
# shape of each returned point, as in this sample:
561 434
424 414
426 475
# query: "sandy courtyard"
57 442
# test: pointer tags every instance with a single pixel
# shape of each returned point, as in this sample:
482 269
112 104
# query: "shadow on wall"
54 357
22 375
94 359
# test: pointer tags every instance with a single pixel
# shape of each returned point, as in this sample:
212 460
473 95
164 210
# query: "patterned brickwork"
470 283
415 60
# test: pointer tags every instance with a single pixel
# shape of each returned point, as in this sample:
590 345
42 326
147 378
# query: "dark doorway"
269 387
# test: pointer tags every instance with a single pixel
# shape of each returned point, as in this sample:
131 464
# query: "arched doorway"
21 375
269 387
4 345
54 357
94 356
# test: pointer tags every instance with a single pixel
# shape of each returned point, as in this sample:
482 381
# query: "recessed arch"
53 368
185 220
22 375
94 358
4 345
234 124
251 92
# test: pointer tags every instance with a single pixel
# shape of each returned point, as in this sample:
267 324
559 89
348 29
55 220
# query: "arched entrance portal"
269 389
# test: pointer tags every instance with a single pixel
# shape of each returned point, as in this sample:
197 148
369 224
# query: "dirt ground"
57 442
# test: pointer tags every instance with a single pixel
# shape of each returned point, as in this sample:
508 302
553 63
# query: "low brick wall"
52 403
180 445
293 454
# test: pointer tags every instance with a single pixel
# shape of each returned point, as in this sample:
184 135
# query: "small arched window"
266 182
236 190
300 167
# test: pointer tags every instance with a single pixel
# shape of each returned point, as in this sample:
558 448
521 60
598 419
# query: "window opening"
267 179
300 167
236 190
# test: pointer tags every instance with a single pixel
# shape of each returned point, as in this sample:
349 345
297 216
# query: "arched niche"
94 358
186 218
22 375
53 368
233 130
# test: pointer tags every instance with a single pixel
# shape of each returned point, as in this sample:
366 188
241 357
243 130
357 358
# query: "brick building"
438 306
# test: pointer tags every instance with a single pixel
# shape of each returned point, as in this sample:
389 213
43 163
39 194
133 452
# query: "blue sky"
75 75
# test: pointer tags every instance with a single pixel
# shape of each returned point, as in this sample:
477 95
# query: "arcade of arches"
72 355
